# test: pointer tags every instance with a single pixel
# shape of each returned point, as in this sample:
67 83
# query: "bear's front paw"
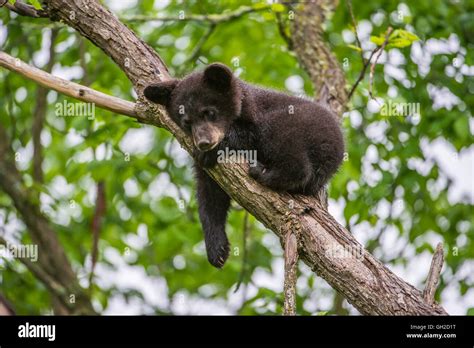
257 172
205 159
218 253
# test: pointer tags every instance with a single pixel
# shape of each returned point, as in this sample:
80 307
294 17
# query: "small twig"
210 18
100 208
354 23
244 247
366 63
362 74
372 67
434 274
197 49
283 33
24 9
291 263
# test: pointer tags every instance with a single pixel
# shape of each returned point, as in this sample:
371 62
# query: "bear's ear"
218 76
160 93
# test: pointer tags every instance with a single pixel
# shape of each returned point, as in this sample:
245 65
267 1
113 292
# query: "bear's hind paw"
217 256
257 172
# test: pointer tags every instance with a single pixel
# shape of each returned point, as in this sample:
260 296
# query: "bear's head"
204 104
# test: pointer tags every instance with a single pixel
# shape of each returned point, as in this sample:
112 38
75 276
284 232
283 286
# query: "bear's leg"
292 178
213 204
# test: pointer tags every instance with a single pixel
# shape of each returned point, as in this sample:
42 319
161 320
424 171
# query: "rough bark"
433 276
291 273
362 279
138 60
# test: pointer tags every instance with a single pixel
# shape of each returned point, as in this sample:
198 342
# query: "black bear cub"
298 143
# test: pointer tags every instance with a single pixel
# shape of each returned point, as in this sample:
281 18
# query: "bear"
298 142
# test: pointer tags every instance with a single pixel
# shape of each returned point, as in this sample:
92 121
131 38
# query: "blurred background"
406 185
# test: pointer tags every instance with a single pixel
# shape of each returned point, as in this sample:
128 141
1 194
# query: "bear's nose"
204 144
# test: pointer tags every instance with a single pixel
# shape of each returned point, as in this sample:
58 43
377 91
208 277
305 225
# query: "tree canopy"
120 195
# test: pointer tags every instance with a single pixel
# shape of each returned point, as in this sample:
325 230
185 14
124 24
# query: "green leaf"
260 5
377 40
399 38
278 7
35 4
398 43
355 48
404 34
461 127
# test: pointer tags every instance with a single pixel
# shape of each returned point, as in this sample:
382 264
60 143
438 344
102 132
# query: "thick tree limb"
138 60
363 280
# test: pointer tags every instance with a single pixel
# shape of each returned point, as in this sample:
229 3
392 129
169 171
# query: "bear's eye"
209 114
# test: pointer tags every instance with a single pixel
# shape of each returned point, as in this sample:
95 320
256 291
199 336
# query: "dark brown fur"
298 142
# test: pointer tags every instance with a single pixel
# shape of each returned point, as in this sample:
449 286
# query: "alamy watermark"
237 156
19 251
68 109
345 252
400 109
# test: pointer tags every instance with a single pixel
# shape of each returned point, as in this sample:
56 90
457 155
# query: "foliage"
393 194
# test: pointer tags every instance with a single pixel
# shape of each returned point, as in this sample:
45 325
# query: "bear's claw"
217 256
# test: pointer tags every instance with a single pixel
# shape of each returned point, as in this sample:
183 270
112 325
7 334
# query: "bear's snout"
207 136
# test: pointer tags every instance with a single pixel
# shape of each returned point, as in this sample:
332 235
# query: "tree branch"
291 270
433 276
69 88
354 23
363 280
19 7
197 49
372 67
209 18
362 73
